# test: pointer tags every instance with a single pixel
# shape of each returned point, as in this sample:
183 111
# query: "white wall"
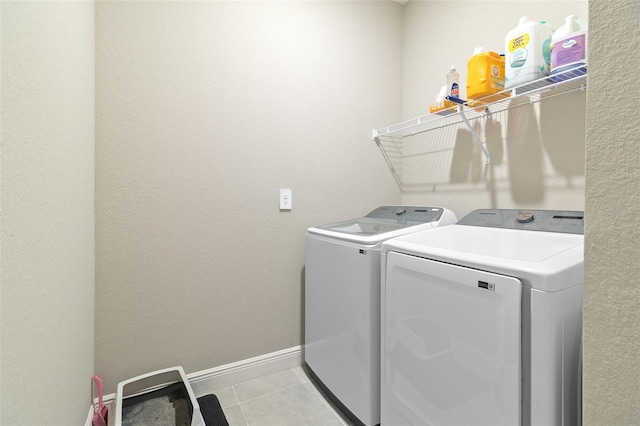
47 268
204 111
612 293
542 167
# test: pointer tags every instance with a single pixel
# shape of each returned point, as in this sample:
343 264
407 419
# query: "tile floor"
286 398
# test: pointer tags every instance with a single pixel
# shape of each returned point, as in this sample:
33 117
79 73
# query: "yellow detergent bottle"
485 76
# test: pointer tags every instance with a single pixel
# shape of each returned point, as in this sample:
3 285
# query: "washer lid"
385 222
366 226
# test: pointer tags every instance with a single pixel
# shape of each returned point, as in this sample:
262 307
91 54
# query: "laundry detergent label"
518 50
496 79
519 42
455 90
568 51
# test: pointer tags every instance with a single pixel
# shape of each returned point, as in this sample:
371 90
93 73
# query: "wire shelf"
401 144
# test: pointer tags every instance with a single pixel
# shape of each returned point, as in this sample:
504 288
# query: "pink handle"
97 381
100 412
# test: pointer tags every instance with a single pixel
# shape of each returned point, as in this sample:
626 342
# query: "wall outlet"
285 199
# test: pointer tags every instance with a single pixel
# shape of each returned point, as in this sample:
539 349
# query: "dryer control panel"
568 222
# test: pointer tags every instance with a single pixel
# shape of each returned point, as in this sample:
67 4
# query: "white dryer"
342 302
482 321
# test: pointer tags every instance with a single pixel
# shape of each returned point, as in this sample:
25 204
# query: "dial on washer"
524 217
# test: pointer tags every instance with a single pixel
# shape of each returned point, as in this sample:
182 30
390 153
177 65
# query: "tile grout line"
320 395
272 392
246 422
330 406
305 380
324 398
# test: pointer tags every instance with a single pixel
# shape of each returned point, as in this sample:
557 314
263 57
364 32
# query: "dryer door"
451 352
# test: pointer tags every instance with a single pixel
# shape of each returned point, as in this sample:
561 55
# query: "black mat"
212 411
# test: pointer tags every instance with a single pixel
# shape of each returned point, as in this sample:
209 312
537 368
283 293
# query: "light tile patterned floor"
286 398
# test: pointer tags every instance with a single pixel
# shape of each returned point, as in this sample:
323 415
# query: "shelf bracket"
487 158
476 138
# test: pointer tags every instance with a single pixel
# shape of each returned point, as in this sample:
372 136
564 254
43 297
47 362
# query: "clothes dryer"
342 302
482 321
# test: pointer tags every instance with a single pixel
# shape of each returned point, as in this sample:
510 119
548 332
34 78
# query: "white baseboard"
241 371
206 381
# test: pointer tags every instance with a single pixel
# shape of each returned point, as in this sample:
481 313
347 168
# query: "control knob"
524 217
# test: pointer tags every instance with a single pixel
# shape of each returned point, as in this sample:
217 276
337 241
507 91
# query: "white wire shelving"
398 141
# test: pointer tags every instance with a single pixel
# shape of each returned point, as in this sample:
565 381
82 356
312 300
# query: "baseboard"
241 371
205 381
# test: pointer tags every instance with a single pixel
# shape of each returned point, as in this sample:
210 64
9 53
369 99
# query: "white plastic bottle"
527 52
569 48
453 83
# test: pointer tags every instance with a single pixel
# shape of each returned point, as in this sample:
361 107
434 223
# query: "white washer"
342 302
482 321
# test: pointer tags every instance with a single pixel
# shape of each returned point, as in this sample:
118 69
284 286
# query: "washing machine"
482 321
342 302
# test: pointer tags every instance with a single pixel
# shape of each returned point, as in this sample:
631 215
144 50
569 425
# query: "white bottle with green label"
527 52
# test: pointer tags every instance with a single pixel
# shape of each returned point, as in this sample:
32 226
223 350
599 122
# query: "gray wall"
204 111
612 294
47 267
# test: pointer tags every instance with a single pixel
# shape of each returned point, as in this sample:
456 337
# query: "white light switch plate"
285 199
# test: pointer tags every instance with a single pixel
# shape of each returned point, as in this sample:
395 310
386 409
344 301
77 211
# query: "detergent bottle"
569 49
485 74
527 52
453 83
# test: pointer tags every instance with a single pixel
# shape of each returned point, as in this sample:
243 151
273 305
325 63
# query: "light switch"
285 199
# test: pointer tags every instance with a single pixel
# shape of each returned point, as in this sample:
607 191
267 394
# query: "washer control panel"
569 222
408 213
